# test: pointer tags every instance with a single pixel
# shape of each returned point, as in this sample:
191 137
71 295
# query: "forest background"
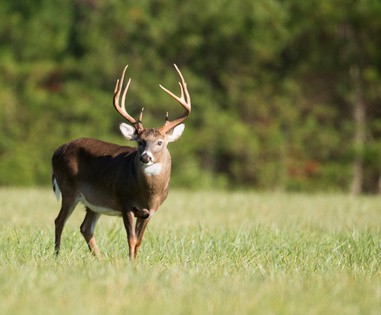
285 94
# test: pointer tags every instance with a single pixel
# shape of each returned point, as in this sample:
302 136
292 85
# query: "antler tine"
184 100
121 108
141 115
183 84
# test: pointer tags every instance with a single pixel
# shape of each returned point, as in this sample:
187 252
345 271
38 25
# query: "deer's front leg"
140 227
128 220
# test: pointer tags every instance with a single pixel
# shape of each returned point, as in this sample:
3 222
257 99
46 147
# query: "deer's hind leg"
87 230
67 208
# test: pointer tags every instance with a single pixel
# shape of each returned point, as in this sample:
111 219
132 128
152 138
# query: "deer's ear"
128 131
175 133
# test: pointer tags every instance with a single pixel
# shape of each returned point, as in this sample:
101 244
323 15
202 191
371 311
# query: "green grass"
203 253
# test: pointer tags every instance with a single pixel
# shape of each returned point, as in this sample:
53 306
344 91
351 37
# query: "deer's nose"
146 158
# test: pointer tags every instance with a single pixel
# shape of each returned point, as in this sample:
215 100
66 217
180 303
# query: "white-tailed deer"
118 180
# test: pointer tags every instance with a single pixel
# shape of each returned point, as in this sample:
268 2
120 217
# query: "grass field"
203 253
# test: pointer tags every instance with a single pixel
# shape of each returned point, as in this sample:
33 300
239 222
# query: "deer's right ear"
128 131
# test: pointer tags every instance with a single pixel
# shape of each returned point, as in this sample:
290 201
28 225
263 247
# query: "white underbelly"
99 209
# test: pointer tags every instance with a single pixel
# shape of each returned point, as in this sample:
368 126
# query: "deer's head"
152 142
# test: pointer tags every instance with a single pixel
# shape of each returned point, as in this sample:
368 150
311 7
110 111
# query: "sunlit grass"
203 252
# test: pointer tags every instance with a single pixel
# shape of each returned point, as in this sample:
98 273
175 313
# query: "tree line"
285 94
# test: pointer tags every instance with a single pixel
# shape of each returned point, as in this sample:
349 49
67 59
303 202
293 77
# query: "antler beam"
184 100
121 108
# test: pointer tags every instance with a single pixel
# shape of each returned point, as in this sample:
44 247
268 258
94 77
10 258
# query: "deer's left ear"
175 133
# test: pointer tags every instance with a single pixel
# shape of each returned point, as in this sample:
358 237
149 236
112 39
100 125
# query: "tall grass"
203 253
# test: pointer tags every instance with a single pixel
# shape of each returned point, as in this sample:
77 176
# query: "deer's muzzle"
146 158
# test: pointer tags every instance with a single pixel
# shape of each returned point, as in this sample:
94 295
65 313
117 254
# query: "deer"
110 179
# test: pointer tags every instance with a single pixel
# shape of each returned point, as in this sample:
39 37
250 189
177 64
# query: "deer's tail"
56 188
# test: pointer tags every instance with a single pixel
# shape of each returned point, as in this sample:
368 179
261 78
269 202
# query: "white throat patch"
152 169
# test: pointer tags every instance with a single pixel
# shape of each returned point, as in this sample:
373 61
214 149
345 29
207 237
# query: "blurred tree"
285 94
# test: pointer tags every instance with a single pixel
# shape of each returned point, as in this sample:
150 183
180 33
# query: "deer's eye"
159 142
140 143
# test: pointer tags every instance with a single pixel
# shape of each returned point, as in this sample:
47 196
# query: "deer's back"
90 164
87 153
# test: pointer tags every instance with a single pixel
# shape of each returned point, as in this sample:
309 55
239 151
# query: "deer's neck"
153 182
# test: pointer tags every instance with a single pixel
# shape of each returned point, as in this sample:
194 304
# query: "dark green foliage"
273 84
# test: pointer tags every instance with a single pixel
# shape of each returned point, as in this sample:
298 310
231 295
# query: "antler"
184 100
121 109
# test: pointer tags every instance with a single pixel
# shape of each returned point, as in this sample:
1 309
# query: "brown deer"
118 180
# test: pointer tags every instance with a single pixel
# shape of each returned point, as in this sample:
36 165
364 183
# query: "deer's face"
152 144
